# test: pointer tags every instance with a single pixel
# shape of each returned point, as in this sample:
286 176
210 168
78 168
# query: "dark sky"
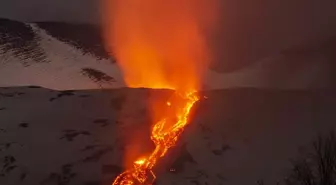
248 30
253 29
55 10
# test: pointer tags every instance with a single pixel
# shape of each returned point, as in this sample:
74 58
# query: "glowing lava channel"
160 44
163 138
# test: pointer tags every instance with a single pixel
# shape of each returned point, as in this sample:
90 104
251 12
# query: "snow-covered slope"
236 136
301 67
63 66
69 56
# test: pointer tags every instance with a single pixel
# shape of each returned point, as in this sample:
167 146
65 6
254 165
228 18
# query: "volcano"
66 114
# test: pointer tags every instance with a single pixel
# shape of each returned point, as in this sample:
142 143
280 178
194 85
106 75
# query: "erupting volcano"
160 44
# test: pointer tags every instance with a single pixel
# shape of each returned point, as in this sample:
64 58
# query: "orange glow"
140 161
164 135
160 44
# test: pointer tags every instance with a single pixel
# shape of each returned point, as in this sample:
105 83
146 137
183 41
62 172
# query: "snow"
254 120
62 72
65 62
235 137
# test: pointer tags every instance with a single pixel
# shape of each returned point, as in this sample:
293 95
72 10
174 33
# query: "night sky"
51 10
248 30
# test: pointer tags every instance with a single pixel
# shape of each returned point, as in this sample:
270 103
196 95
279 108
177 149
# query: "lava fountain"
160 44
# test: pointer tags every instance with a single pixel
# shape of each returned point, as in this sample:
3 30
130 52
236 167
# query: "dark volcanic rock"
97 76
20 39
24 125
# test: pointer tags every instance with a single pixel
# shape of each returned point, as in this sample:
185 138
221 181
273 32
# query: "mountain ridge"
72 56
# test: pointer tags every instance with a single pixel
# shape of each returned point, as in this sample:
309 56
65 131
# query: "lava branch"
163 138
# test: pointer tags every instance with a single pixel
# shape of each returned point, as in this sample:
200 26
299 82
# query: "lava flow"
163 138
160 44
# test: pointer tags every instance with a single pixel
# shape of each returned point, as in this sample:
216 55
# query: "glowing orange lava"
160 44
164 137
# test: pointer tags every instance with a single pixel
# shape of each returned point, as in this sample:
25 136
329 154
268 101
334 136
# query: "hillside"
236 136
65 56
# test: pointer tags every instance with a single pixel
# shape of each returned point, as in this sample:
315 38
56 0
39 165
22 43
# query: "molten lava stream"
164 137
